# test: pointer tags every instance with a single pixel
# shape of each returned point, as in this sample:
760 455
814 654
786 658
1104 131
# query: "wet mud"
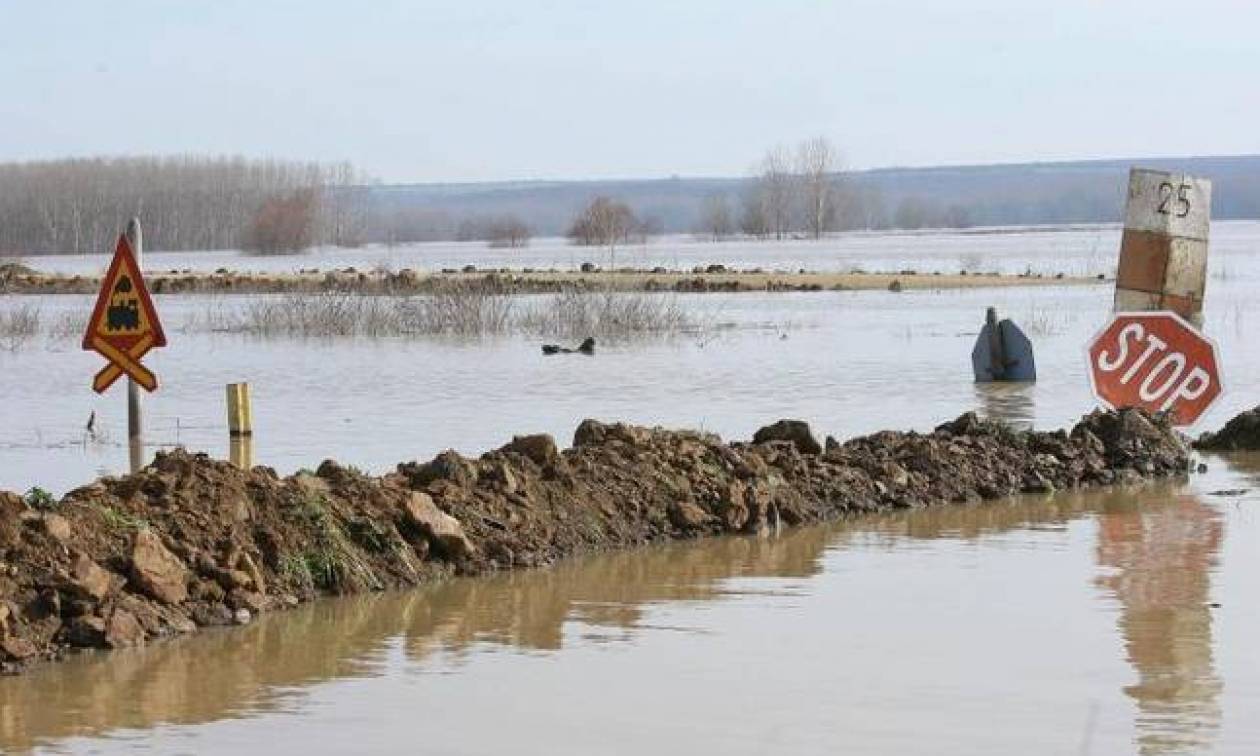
191 542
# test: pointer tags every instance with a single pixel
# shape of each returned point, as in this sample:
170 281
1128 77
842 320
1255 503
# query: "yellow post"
240 426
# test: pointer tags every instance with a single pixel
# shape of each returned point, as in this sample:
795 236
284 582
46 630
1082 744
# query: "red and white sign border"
1146 314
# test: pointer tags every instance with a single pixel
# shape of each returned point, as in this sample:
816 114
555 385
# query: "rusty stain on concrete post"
1163 252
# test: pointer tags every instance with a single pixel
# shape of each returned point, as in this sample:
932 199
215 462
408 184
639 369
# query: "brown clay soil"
1240 434
713 278
190 542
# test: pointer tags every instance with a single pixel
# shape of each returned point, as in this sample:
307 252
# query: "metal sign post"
135 413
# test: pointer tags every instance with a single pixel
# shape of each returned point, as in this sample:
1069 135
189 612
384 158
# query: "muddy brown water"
1114 622
1110 622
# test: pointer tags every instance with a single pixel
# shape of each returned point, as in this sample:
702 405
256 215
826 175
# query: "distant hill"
980 195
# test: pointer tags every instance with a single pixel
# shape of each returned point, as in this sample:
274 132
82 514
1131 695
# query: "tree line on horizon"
184 203
804 192
270 206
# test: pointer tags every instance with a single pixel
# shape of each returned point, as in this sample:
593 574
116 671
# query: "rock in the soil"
796 431
157 571
443 531
57 527
87 631
448 465
687 515
123 630
89 579
18 648
540 448
242 599
1240 434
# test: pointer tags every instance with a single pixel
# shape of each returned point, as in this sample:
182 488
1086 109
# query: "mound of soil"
1240 434
191 542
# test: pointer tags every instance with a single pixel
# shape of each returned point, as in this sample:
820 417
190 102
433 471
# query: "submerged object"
1002 352
586 347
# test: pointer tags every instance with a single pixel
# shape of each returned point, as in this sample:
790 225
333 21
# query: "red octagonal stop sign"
1156 361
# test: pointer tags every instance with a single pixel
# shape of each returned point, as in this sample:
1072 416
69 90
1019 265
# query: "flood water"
1115 622
1075 251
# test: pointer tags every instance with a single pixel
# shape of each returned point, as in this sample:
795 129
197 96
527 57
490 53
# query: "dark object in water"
1002 352
586 347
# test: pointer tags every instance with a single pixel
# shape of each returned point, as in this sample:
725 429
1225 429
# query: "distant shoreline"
697 239
710 278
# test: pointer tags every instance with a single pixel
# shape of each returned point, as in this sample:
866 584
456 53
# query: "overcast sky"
511 89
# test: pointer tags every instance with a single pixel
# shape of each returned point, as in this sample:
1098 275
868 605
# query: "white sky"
425 91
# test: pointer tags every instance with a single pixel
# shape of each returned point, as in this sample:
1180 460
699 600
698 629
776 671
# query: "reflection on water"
1158 562
1011 403
1156 547
257 668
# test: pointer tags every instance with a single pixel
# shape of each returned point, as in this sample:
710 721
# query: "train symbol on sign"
124 324
123 313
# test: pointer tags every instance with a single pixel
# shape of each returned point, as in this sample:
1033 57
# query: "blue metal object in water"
1002 352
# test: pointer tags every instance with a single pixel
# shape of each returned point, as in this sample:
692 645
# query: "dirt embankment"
1240 434
712 278
191 542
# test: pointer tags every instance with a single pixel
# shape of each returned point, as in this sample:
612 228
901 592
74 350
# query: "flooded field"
1074 251
1112 622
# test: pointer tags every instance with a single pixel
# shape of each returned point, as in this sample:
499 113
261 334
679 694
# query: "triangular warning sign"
124 325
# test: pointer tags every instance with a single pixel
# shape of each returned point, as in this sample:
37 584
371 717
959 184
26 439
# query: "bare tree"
604 222
284 224
508 231
344 213
774 190
715 217
815 163
752 216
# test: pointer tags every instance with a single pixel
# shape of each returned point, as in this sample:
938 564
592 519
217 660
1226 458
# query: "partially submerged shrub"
461 309
19 324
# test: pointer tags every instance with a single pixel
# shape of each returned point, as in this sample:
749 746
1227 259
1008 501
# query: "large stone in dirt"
594 433
1240 434
12 507
686 515
123 630
796 431
57 527
89 580
442 531
448 465
85 632
242 599
156 571
540 448
18 648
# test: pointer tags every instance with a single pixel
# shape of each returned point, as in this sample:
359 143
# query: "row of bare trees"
78 205
499 231
803 192
794 192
